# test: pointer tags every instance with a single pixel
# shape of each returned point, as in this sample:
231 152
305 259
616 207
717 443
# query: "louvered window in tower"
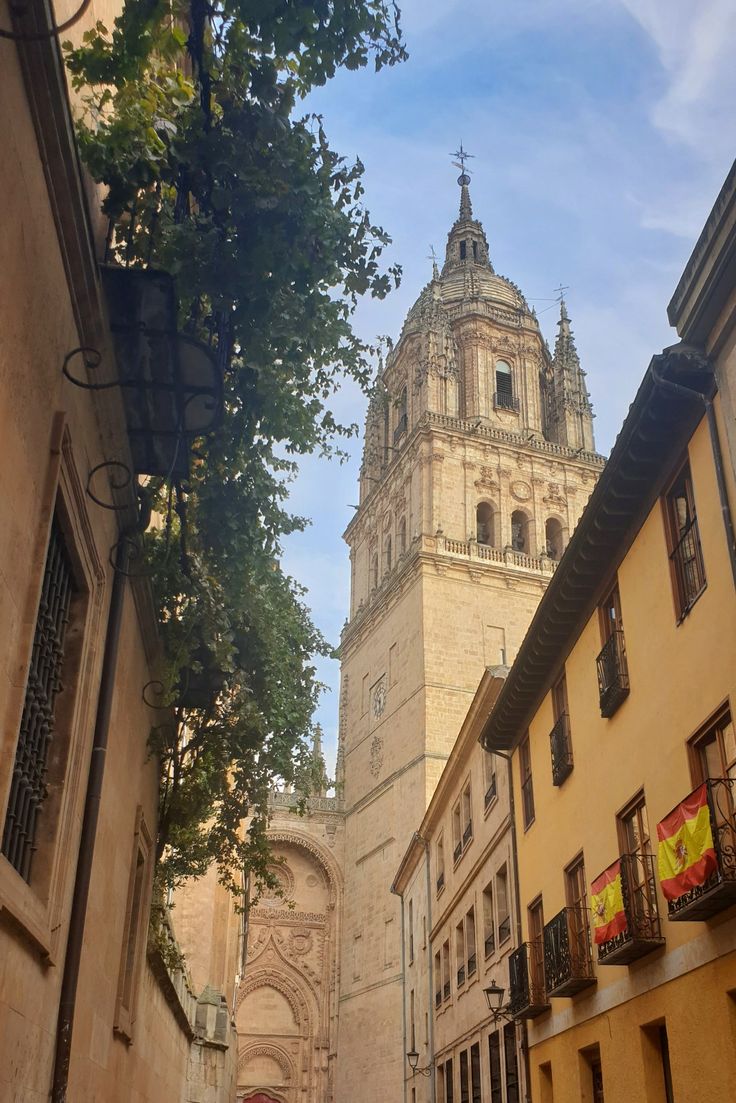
28 785
503 397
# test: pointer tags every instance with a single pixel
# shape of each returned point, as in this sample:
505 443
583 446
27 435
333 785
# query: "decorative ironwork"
472 964
446 990
461 976
527 994
401 428
613 673
643 926
568 962
503 401
52 32
155 688
718 891
687 562
28 785
121 483
504 930
489 944
468 832
561 748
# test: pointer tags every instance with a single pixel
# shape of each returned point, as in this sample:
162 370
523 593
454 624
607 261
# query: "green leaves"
188 119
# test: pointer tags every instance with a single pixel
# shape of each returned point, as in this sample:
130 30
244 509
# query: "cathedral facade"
478 460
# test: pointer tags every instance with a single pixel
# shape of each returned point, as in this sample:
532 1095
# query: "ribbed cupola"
570 413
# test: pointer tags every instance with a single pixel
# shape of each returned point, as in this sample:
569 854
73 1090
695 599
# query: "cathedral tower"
478 460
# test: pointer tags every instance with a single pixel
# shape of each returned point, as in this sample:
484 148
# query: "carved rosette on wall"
300 940
521 491
376 755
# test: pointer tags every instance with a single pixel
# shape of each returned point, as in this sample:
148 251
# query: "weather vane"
462 157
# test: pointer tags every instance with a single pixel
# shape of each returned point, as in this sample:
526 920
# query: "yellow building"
618 713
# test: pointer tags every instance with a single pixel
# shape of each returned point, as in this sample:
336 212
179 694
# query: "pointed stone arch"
324 859
267 1049
291 987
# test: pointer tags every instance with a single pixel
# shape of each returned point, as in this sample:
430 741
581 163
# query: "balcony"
461 976
716 870
613 673
502 401
440 882
401 428
489 944
504 930
527 995
468 833
438 998
457 851
446 990
568 962
561 748
472 964
643 931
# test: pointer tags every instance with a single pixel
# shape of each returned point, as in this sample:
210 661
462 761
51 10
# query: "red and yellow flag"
607 904
686 856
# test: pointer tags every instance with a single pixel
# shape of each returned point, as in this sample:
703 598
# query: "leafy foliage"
189 119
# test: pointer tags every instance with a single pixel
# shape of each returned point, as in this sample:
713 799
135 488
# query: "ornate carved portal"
285 1003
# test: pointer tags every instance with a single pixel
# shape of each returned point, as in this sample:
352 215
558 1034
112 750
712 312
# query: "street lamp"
413 1059
494 999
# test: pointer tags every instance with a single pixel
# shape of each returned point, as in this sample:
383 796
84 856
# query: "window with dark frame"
560 737
535 915
502 905
476 1093
464 1077
596 1078
437 979
511 1063
489 771
460 953
713 758
686 554
446 985
440 883
470 952
576 891
449 1085
527 790
136 926
494 1063
489 928
28 789
612 665
635 842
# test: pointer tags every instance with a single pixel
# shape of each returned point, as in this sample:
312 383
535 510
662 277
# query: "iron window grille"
687 562
490 792
561 749
613 673
504 930
28 785
505 401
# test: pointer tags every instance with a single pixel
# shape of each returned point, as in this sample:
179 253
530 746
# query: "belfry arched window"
503 396
553 538
402 421
484 524
520 531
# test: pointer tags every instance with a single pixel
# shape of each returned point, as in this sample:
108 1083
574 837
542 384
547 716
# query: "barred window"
686 556
28 789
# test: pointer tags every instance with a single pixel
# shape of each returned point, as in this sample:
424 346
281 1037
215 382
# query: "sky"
601 132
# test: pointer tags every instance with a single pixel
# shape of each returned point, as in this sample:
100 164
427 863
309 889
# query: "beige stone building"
478 461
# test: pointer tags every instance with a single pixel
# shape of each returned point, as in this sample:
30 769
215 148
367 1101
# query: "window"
460 954
402 420
467 816
658 1071
714 750
449 1086
511 1063
457 832
686 555
489 772
440 864
475 250
553 538
502 903
596 1079
374 571
470 954
411 931
520 531
389 553
527 790
441 1083
535 916
576 891
613 671
489 934
503 396
463 250
462 823
402 535
446 989
560 740
136 926
475 1088
464 1077
494 1062
484 524
29 790
437 979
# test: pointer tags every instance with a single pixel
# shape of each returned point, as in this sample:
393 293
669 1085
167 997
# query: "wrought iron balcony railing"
502 401
527 994
561 748
438 997
568 961
401 428
446 990
613 673
472 964
468 833
643 932
461 976
718 889
490 792
440 882
687 563
457 851
504 930
489 944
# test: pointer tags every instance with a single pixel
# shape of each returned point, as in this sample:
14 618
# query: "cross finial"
462 157
560 292
433 257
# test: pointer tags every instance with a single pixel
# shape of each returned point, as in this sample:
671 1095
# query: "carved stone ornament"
300 940
378 703
376 755
521 491
487 479
554 496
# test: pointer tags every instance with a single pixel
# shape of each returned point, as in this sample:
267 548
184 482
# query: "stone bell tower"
478 460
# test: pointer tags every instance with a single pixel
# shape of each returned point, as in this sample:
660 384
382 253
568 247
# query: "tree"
190 120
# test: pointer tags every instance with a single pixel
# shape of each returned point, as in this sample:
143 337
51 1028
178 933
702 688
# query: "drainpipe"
72 960
689 392
517 900
403 995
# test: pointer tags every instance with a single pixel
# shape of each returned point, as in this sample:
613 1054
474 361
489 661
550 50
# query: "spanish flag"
607 904
686 856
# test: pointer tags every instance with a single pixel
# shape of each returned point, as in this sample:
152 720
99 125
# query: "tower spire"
466 207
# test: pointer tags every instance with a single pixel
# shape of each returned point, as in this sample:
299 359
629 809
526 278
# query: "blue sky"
601 132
